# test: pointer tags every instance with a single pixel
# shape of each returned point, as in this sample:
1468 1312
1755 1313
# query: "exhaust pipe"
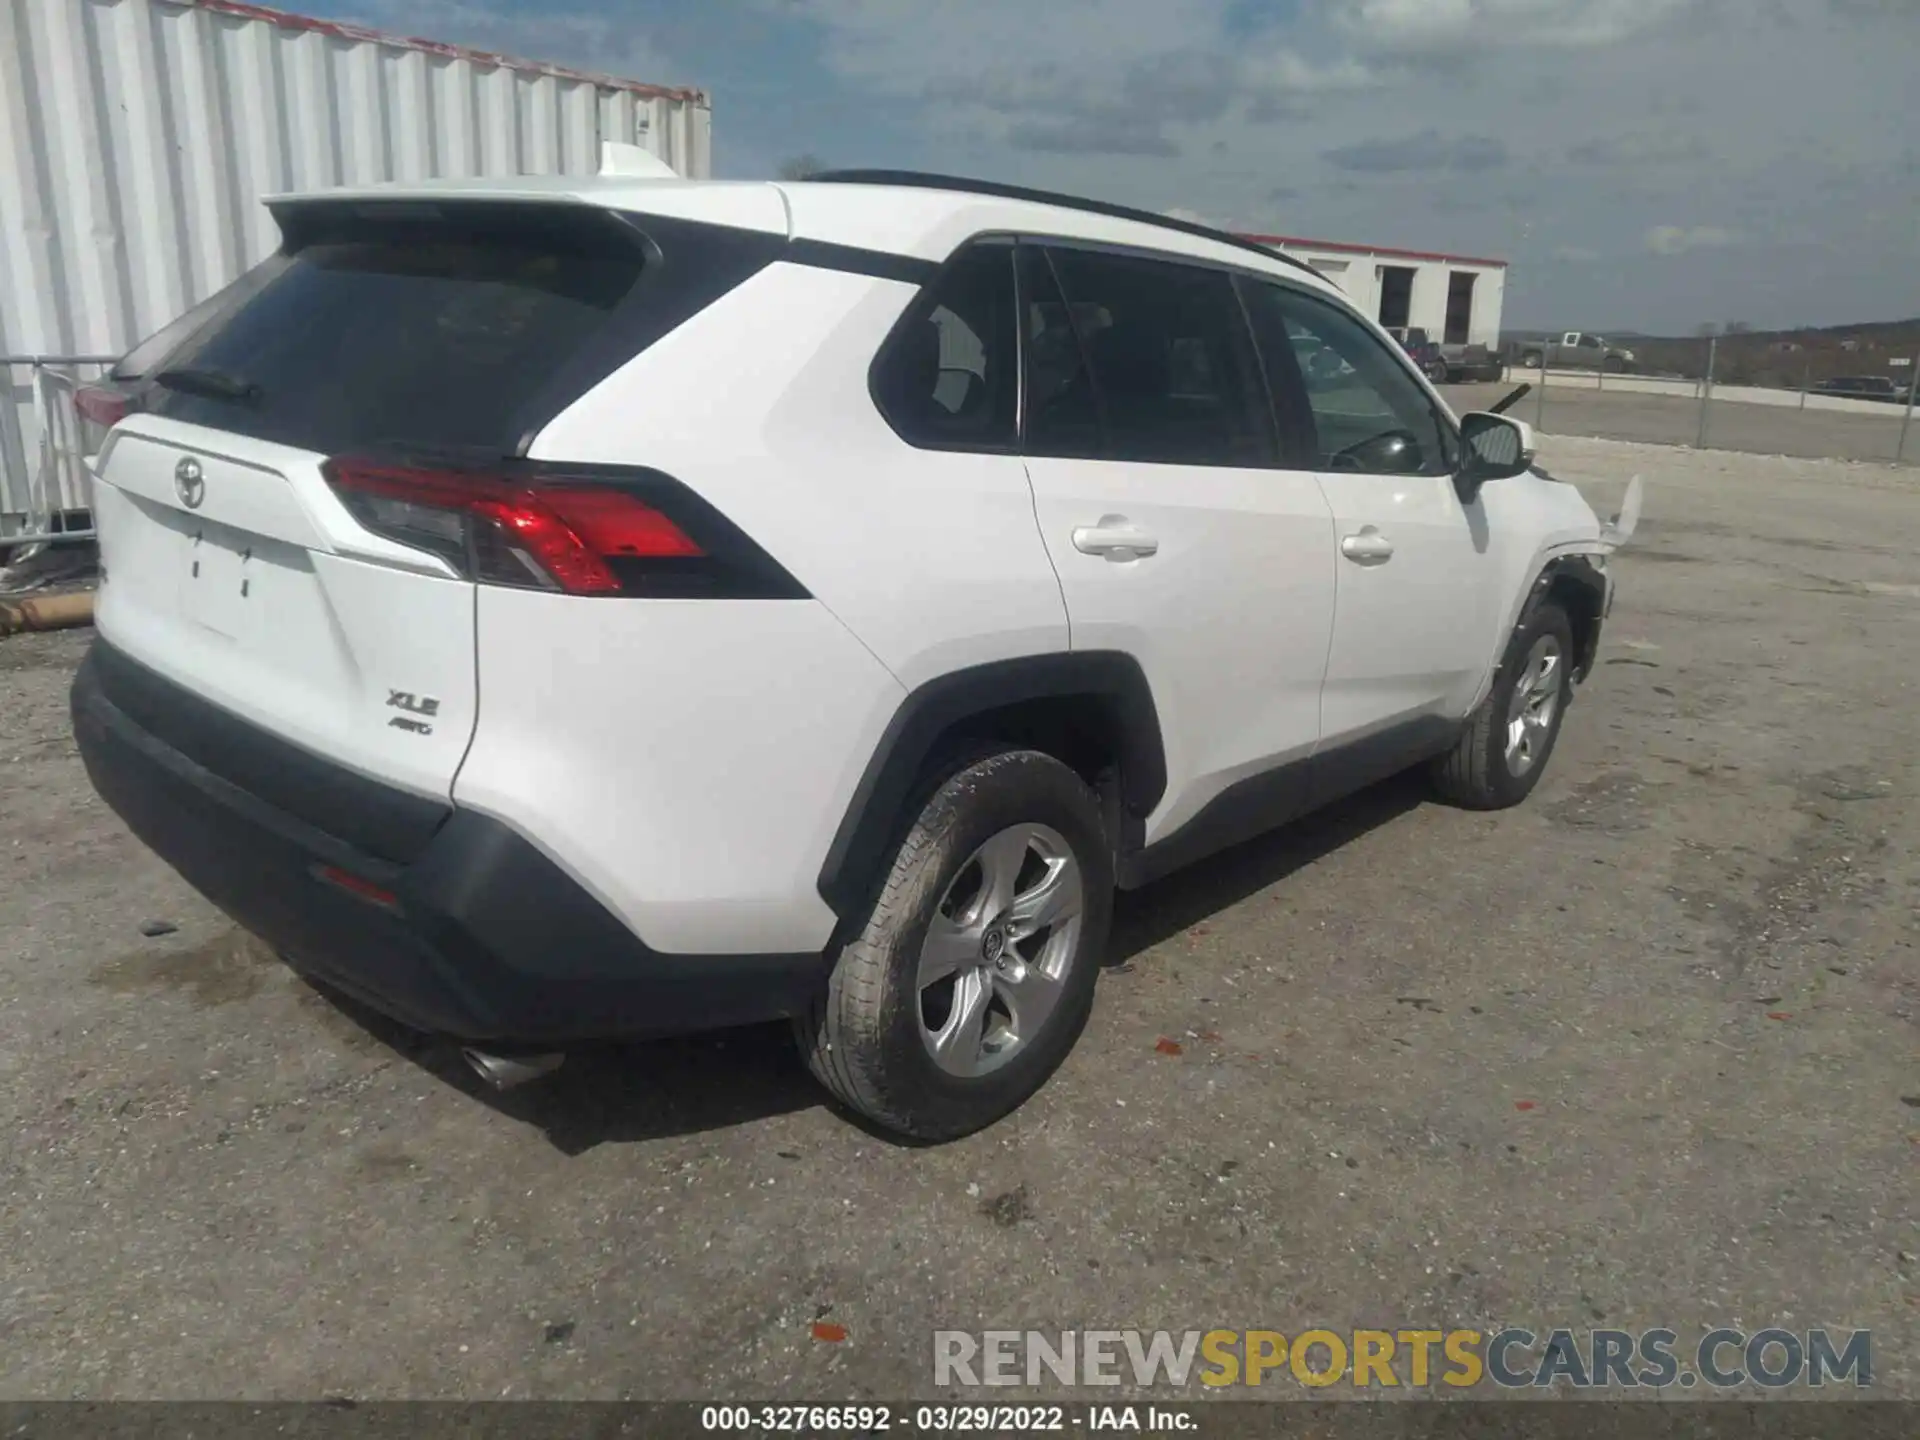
508 1072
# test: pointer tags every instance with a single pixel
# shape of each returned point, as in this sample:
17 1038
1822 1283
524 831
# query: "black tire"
1438 372
1530 359
862 1037
1477 773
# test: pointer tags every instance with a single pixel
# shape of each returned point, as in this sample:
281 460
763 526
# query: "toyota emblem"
189 483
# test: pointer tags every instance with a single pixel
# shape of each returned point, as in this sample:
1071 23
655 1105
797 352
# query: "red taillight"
102 405
557 536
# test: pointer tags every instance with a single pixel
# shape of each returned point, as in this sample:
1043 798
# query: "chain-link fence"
1730 392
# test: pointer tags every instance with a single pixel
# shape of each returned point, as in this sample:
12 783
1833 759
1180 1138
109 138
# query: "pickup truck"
1576 350
1447 364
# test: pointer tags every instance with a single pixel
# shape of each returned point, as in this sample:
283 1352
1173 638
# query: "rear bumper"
485 938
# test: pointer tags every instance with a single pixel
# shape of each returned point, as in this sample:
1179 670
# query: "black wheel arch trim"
870 826
1580 572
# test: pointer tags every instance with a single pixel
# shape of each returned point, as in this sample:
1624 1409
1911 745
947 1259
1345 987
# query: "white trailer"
1456 299
137 137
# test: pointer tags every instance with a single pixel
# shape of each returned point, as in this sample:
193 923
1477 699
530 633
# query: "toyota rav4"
601 608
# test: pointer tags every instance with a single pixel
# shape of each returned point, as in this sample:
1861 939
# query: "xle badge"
414 705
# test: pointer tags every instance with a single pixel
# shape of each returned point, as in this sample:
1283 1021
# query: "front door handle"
1115 537
1367 547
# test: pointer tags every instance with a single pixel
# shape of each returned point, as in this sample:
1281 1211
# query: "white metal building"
137 138
1456 299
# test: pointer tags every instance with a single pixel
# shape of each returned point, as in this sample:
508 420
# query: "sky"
1645 165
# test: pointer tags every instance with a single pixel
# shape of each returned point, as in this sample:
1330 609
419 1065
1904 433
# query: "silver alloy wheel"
1535 703
995 960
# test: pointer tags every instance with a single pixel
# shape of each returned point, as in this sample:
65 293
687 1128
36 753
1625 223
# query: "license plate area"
224 581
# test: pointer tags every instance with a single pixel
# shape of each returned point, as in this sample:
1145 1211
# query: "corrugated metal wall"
137 137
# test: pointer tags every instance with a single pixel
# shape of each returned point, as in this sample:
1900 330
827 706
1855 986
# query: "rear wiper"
211 384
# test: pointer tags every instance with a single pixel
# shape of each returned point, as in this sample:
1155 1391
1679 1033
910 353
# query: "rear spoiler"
633 162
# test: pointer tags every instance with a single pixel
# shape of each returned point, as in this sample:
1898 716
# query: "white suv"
559 610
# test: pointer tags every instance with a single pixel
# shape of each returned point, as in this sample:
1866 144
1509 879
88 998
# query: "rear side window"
947 377
1172 367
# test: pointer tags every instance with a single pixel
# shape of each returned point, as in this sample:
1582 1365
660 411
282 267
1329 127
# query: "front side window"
1368 413
946 379
1140 359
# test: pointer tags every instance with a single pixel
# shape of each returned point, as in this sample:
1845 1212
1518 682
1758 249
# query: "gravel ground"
1639 1053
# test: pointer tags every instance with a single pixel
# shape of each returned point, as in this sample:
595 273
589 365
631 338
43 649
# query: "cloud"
1575 254
1450 29
1091 134
1678 240
1079 77
1640 149
1429 150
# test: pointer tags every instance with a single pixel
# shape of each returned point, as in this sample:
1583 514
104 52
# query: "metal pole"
1906 420
1540 400
1806 381
1706 391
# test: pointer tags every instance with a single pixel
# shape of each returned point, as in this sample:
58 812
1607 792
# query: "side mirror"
1493 447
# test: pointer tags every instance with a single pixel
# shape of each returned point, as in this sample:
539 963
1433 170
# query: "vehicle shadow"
1143 918
619 1094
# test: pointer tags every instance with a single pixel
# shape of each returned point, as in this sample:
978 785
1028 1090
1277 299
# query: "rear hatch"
269 537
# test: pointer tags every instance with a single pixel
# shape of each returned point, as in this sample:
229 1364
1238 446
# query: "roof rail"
924 181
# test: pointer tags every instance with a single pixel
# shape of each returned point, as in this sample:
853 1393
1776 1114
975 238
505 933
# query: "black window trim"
1297 443
1044 251
1290 451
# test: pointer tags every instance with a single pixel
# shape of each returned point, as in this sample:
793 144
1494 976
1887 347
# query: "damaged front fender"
1618 531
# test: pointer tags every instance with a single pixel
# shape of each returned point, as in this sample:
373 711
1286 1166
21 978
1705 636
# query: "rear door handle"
1115 537
1367 547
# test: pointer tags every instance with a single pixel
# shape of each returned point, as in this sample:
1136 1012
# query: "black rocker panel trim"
870 826
1268 800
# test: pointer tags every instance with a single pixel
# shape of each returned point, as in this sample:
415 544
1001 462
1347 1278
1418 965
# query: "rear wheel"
1505 746
1437 372
1531 359
972 975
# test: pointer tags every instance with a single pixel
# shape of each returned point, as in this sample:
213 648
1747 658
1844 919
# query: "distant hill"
1784 358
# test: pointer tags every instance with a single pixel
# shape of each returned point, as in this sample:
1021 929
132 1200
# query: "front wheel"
1505 746
973 973
1438 373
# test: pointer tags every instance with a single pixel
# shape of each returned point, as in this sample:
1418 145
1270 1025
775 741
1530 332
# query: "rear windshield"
382 335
